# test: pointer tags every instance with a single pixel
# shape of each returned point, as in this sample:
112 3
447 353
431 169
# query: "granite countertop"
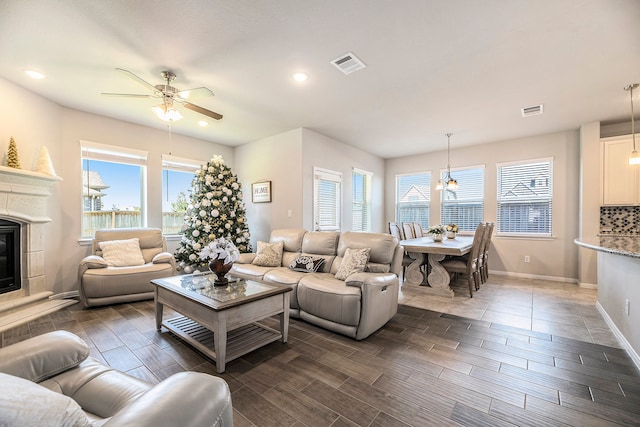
621 245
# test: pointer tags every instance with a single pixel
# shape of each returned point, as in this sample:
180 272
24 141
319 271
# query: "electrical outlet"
289 213
626 306
527 258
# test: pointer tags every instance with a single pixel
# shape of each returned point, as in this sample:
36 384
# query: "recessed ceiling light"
203 123
300 77
35 74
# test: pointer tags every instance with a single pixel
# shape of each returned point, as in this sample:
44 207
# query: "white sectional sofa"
356 306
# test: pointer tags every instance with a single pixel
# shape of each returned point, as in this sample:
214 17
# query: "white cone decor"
45 165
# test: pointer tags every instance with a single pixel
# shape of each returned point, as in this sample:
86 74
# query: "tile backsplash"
620 220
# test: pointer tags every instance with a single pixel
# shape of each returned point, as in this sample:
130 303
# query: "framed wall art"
261 192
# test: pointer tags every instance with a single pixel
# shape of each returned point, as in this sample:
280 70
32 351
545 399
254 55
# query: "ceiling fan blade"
197 92
127 95
201 110
143 82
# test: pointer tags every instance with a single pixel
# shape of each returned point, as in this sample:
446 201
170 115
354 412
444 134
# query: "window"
525 191
177 177
113 187
464 206
361 202
413 194
327 194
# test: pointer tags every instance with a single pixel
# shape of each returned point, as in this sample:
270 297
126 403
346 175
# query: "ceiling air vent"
532 111
348 63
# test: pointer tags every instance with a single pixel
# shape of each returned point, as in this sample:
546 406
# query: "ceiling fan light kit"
166 110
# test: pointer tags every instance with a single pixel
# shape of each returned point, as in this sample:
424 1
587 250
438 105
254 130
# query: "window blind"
361 200
413 195
525 194
326 201
464 206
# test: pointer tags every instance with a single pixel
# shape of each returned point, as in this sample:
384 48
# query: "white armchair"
116 271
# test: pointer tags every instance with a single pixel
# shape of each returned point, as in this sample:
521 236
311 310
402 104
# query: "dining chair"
484 265
483 244
417 230
395 231
409 233
469 266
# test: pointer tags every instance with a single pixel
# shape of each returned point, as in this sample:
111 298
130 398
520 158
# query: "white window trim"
525 236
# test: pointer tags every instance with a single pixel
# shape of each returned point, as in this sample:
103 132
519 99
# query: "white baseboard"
627 346
533 276
65 295
588 285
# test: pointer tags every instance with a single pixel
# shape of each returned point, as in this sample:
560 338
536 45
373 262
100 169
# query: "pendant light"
451 184
635 157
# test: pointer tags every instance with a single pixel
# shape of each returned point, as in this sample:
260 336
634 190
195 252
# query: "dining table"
421 248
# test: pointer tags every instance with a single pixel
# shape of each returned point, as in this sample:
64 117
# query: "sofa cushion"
328 298
306 264
122 253
25 403
268 254
354 261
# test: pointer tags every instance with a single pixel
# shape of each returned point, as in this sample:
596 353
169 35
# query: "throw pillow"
268 254
306 264
354 261
25 403
122 253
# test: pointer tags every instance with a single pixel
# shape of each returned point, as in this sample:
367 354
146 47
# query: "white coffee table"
221 321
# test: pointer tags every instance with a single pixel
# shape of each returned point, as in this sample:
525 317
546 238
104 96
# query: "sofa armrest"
377 280
186 399
246 258
43 356
164 258
93 261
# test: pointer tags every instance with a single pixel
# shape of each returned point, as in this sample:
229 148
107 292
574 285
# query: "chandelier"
635 157
451 184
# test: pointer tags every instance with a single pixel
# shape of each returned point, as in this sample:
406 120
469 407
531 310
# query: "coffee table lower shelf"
239 341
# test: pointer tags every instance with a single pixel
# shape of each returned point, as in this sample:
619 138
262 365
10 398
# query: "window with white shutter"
525 193
413 194
464 206
327 196
361 201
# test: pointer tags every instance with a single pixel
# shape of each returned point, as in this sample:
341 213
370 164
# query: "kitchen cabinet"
619 178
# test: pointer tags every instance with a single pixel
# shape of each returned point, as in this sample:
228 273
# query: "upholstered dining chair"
395 231
468 266
484 254
417 230
407 228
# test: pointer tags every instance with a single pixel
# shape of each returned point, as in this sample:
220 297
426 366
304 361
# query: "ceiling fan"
169 94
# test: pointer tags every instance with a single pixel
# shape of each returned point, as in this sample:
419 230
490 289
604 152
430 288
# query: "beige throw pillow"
354 261
122 253
268 254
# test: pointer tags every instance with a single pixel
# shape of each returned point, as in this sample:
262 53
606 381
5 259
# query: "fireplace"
10 276
23 215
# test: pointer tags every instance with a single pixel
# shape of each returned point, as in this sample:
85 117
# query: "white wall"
323 152
277 159
553 258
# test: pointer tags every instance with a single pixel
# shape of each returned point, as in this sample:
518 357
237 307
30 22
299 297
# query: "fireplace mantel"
22 194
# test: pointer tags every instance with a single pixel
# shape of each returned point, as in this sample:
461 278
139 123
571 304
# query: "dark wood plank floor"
423 368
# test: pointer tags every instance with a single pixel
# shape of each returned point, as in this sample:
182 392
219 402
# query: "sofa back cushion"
151 240
292 241
322 244
382 246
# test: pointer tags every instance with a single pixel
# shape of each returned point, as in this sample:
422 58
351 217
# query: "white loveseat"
356 306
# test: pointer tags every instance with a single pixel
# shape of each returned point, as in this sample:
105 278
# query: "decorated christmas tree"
12 155
215 210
